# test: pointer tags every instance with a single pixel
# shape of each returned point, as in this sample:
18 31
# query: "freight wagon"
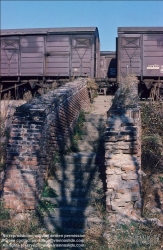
38 56
108 64
108 72
32 58
140 52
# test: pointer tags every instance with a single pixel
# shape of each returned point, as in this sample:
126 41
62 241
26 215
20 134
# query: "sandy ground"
101 104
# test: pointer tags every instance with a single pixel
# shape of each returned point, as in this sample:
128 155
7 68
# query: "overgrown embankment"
152 159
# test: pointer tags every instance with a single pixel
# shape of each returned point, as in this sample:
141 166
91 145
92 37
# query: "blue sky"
106 15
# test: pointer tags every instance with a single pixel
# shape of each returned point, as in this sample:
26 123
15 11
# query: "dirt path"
101 104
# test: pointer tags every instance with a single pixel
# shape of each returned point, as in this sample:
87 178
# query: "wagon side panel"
57 55
9 56
82 55
129 54
32 55
153 55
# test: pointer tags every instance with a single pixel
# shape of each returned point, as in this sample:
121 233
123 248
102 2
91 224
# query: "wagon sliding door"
82 57
130 55
9 57
57 55
32 54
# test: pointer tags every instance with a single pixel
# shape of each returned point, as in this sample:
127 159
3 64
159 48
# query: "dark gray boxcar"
50 52
140 51
108 64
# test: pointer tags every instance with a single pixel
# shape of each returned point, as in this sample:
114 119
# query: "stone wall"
7 109
39 128
123 152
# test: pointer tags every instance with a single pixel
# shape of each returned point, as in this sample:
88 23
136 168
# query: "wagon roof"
140 29
48 30
107 52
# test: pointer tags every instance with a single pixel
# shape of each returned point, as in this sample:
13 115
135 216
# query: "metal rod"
1 91
13 87
15 92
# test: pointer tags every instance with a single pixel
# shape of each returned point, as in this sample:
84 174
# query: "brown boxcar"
30 54
140 52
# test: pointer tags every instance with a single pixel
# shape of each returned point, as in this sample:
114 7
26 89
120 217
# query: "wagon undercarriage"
17 89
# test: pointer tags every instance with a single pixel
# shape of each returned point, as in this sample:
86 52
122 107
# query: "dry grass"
124 236
91 84
128 81
123 97
152 159
152 137
41 91
28 225
94 239
92 87
27 96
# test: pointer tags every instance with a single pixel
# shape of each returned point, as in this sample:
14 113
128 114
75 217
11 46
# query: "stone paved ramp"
79 179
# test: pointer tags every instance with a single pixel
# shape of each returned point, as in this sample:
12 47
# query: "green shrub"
91 84
78 132
161 178
45 206
48 192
